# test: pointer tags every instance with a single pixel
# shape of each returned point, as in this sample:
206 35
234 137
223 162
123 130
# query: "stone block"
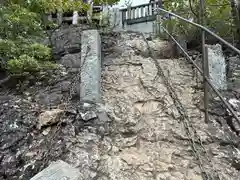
90 84
58 170
71 60
66 41
217 66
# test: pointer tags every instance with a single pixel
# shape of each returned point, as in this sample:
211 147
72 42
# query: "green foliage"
18 58
8 49
25 63
18 22
218 17
20 26
109 2
22 22
39 51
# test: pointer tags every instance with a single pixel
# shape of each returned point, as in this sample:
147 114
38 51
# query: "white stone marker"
58 170
217 66
75 17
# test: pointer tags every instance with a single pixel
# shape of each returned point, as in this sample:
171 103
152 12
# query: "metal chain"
77 78
68 100
184 117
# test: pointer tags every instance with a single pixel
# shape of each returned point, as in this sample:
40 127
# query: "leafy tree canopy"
219 17
21 25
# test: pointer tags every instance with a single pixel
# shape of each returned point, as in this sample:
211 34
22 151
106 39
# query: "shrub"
39 52
22 64
28 64
8 49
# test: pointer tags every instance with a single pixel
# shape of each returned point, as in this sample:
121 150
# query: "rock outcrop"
156 137
142 130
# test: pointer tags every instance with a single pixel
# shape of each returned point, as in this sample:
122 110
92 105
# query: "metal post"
206 86
205 62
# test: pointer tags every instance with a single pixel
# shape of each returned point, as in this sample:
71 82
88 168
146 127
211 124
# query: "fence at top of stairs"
75 17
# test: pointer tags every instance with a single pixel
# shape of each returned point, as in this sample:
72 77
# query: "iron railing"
205 71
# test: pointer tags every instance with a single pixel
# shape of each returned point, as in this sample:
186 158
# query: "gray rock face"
66 40
49 98
58 170
91 66
151 140
233 72
71 60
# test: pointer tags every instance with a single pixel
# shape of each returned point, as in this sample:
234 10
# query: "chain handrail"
201 27
206 78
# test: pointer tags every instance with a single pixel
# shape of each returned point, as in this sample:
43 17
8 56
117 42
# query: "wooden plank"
140 20
147 11
139 6
129 14
133 12
137 12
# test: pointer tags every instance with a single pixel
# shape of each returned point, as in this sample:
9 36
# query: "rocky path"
152 139
154 130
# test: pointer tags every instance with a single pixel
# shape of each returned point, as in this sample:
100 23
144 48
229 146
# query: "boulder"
65 41
58 170
48 118
71 60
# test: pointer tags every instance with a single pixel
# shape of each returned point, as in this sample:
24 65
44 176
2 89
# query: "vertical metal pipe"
205 61
206 86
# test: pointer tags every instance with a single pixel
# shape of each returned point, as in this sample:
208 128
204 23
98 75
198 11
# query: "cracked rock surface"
151 137
140 132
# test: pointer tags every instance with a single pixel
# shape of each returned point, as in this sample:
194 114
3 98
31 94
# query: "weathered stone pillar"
75 17
90 84
217 66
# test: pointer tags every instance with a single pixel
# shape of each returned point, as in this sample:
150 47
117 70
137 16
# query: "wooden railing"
139 14
68 17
